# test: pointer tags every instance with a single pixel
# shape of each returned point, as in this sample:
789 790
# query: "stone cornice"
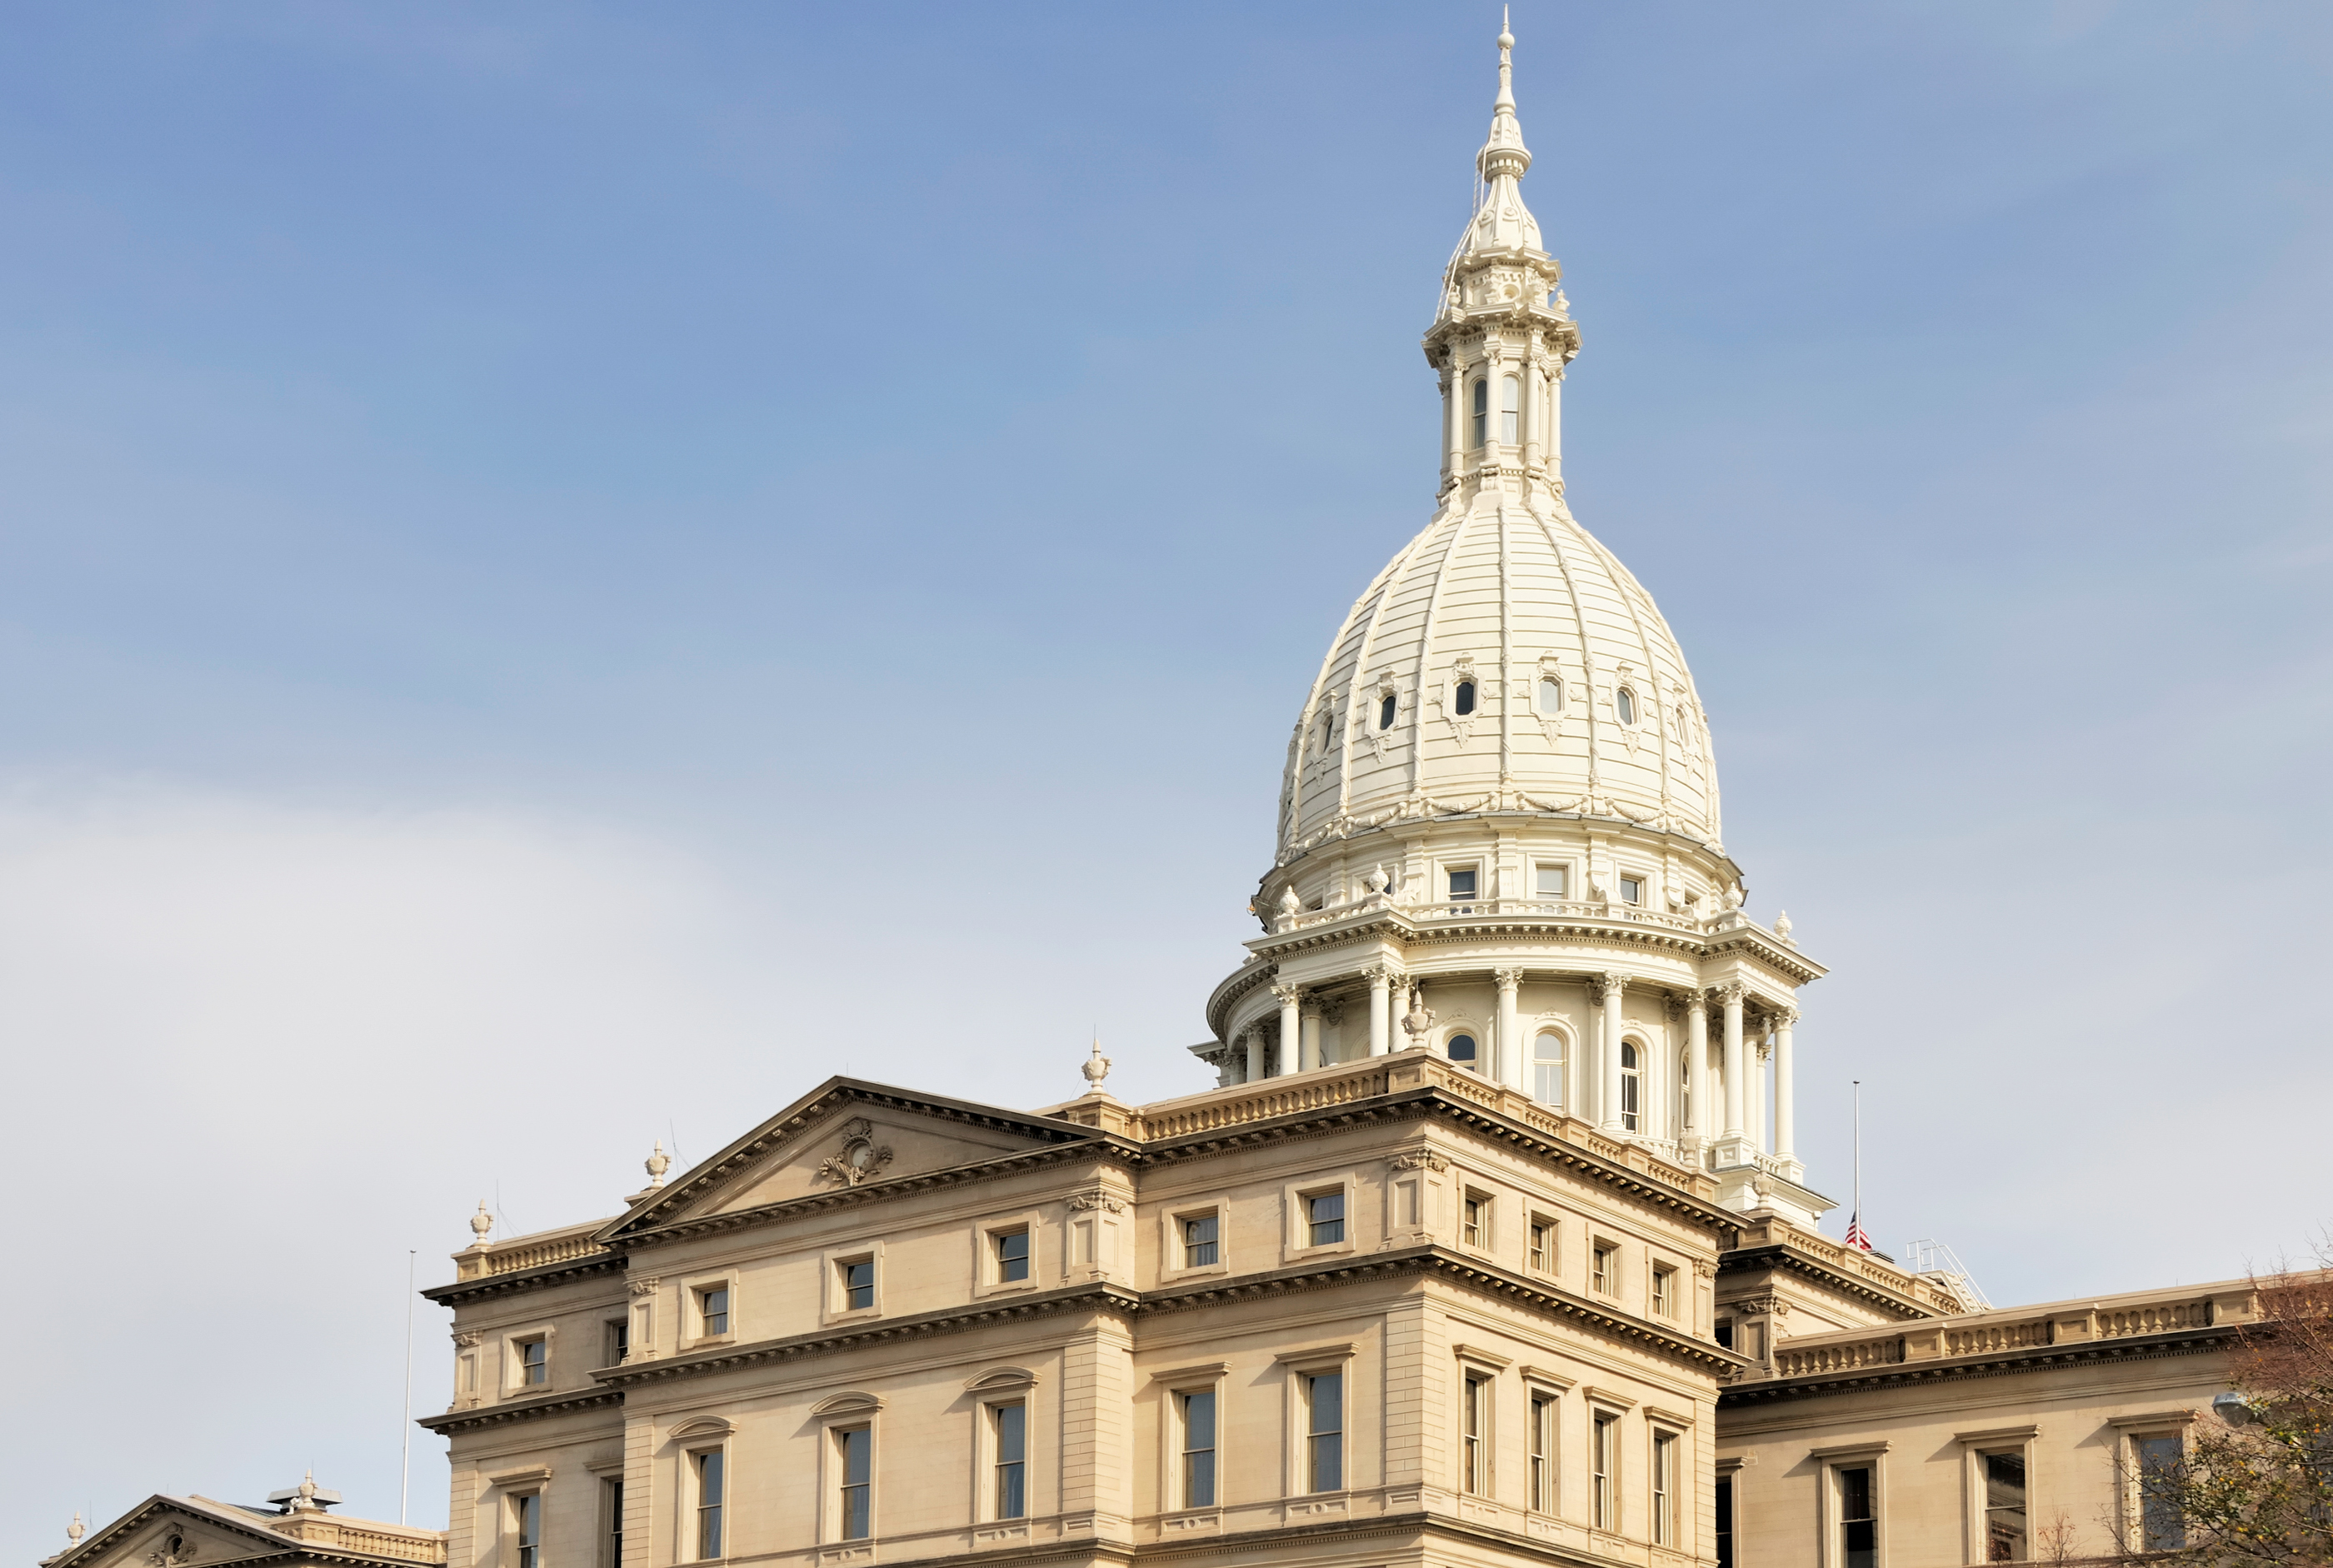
475 1417
1778 1255
462 1292
1987 1364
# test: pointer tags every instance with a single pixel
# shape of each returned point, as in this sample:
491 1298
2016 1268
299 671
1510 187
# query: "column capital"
1609 985
1732 996
1288 996
1508 979
1785 1016
1382 974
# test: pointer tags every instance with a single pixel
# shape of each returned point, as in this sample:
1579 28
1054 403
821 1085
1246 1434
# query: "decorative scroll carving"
861 1156
1418 1159
467 1340
644 1286
1108 1202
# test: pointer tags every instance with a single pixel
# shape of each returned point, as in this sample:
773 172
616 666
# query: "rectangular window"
1474 1461
529 1509
1542 1233
1664 1293
1601 1269
1858 1524
1665 1483
1198 1412
1324 1218
1603 1453
713 1311
619 1337
2004 1505
1542 1453
708 1504
611 1524
1011 1256
533 1363
1632 889
1725 1522
1474 1219
2160 1526
1553 881
858 1284
1725 1333
1461 885
855 1450
1199 1245
1012 1460
1324 1432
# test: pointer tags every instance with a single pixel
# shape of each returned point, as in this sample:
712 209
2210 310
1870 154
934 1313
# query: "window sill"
704 1343
1197 1271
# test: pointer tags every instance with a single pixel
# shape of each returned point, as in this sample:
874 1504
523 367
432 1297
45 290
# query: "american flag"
1854 1236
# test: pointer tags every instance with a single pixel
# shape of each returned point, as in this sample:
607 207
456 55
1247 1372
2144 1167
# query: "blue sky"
567 572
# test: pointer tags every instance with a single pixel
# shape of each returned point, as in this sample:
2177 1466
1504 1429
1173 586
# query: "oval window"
1464 701
1462 1049
1550 696
1386 711
1623 703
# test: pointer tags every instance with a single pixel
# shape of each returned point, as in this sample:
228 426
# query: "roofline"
1990 1364
285 1547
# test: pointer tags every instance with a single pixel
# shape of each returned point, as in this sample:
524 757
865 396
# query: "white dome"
1581 703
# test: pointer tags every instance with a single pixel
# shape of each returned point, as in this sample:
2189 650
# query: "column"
1454 457
1513 1063
1731 996
1292 1028
1760 1046
1534 406
1254 1053
1381 978
1696 1045
1312 1055
1786 1143
1610 989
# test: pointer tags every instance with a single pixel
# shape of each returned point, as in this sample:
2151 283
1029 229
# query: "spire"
1502 221
1505 153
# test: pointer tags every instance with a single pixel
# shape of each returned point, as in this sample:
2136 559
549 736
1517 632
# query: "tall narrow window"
1550 696
534 1362
1011 1255
2004 1505
1328 728
1665 1483
855 1451
708 1504
1200 1247
1474 1461
859 1284
1624 706
2161 1525
1631 1079
1462 701
1510 410
1198 1448
1603 1268
1473 1215
611 1523
1603 1454
713 1311
1324 1432
1012 1460
618 1340
1858 1525
1546 1069
1664 1293
1482 413
1725 1522
1684 1088
1324 1218
529 1509
1387 708
1541 1252
1541 1435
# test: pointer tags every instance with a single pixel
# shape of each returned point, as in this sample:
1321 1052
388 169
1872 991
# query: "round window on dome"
1550 696
1464 702
1385 710
1461 1050
1624 705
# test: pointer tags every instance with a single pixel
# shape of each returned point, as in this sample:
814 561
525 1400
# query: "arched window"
1464 702
1551 695
1511 415
1684 1091
1481 412
1386 711
1624 704
1546 1069
1631 1078
1461 1050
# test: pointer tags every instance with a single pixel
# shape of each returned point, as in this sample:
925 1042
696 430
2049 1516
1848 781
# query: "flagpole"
1858 1211
405 1442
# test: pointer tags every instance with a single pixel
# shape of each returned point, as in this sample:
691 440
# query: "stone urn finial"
657 1164
1420 1017
1096 1067
76 1530
1783 924
482 1224
1377 881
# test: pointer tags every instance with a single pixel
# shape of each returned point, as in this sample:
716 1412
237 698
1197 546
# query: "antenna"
405 1445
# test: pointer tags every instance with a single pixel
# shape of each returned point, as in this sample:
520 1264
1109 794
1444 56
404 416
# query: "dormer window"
1463 701
1550 696
1512 412
1482 413
1387 709
1624 705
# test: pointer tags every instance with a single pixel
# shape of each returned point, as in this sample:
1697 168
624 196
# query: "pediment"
179 1532
847 1134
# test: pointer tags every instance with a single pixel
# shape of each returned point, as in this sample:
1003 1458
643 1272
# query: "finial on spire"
1096 1066
1505 153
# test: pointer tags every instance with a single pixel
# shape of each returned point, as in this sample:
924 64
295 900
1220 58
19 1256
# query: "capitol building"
1490 1243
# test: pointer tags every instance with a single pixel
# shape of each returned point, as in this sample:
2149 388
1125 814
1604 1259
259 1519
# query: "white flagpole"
1858 1156
405 1446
